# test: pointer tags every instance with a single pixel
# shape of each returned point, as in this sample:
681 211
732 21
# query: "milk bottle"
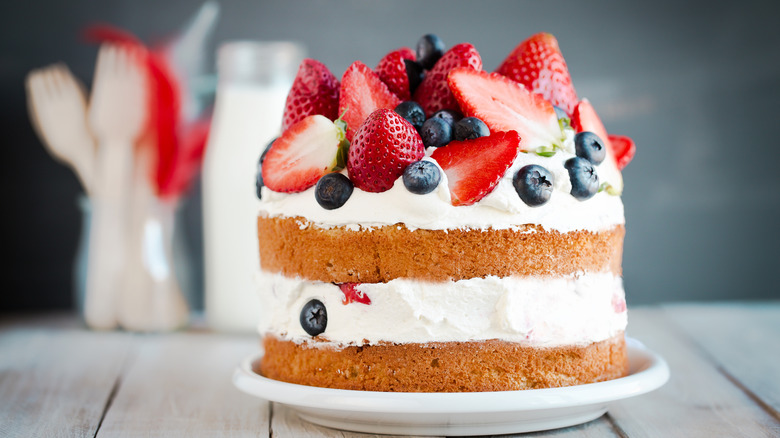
254 78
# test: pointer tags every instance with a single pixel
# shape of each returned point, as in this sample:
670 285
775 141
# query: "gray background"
696 84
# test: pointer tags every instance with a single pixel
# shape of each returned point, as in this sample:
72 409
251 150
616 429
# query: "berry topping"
590 147
584 118
314 91
538 64
469 128
362 92
412 112
422 177
505 105
474 167
304 153
352 294
382 148
429 49
449 115
436 132
434 94
623 148
583 177
314 317
392 71
534 184
333 190
259 177
415 73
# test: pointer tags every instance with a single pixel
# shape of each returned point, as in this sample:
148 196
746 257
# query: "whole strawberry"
392 71
538 64
383 146
362 92
314 91
434 94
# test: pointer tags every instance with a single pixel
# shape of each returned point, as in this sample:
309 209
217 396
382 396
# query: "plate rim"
651 373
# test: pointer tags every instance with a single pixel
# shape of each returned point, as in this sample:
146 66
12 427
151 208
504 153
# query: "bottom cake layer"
491 365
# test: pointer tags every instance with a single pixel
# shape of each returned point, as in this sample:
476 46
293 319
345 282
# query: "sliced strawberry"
304 153
474 167
314 91
505 105
382 148
392 71
352 295
538 64
362 92
623 148
434 94
584 118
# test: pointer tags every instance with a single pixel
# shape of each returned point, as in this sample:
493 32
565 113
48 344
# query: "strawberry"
623 148
362 92
505 105
474 167
392 71
538 64
352 295
304 153
384 145
314 91
584 118
433 94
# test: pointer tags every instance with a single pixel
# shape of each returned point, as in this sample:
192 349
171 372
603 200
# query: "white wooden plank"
179 385
698 400
744 339
57 382
598 428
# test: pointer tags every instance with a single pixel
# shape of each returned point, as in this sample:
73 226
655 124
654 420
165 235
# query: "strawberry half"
392 71
434 94
584 118
352 295
623 148
538 64
474 167
314 91
383 147
505 105
304 153
362 92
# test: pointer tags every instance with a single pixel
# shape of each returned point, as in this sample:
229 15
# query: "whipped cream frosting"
535 311
500 209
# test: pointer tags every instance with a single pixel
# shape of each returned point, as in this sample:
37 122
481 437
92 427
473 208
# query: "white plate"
466 413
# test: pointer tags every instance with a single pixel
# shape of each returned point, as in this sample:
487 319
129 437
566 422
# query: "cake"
428 226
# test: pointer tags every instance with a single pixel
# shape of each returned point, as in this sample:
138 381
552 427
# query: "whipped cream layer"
535 311
500 209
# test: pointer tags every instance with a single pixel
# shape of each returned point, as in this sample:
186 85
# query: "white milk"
247 115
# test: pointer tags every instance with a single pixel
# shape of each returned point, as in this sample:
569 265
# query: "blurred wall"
696 84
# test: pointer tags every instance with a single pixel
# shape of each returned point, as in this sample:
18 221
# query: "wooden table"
59 379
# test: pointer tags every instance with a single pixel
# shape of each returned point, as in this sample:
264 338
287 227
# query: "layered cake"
429 226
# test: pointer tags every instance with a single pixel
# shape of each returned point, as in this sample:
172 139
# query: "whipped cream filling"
535 311
500 209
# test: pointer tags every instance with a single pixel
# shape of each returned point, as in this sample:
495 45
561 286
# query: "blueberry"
583 177
415 73
333 190
561 113
422 177
534 184
259 179
436 132
450 116
470 128
590 147
314 317
412 112
429 49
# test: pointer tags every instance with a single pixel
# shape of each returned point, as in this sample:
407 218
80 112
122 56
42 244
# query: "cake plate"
458 414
